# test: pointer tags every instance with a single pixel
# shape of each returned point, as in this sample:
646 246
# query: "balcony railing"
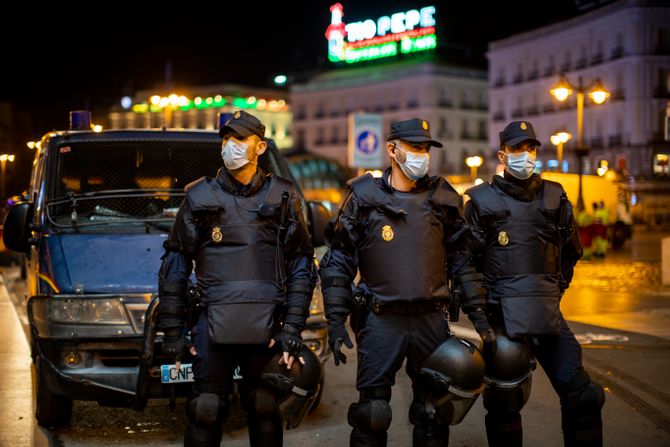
597 59
616 53
499 116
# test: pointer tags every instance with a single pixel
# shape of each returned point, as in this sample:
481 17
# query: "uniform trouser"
213 369
383 342
560 357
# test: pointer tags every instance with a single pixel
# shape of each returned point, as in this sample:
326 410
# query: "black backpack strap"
488 202
369 194
551 195
202 195
444 195
277 187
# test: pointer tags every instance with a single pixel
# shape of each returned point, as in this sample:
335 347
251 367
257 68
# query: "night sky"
52 62
55 63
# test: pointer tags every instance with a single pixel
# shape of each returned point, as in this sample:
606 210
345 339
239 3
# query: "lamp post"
473 163
558 139
4 158
598 94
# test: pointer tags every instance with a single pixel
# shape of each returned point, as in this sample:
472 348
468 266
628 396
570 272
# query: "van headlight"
88 311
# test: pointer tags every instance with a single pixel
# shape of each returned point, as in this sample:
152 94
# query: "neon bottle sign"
402 32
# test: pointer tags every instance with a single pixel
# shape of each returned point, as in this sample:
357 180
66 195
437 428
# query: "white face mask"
520 165
415 165
234 154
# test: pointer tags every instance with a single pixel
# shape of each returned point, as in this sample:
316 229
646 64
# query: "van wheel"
51 410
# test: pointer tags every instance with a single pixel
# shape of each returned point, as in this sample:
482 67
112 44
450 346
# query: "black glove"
338 335
484 329
289 340
175 343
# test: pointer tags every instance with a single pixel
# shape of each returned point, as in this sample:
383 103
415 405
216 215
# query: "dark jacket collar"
229 184
423 183
525 190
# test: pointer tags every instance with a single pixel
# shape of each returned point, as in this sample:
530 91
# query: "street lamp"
558 139
599 95
4 158
473 163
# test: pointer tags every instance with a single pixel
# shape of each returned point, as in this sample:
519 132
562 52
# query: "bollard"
665 260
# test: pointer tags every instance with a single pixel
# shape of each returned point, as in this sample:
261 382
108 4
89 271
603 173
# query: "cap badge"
387 233
424 124
523 126
217 236
503 238
236 115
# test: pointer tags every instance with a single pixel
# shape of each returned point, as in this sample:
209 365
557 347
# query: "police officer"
399 231
527 252
253 258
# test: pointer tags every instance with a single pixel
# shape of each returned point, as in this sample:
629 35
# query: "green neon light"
422 43
354 55
202 103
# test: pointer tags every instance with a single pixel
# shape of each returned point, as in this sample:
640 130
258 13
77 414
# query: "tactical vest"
237 259
521 260
401 246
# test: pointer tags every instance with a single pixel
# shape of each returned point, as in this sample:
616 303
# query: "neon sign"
402 32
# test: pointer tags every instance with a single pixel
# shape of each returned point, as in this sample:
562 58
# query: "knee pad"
507 400
582 399
370 416
207 409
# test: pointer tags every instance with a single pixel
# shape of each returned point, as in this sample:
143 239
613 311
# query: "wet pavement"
616 306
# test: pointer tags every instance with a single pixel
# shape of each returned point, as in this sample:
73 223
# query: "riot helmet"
454 374
511 363
298 387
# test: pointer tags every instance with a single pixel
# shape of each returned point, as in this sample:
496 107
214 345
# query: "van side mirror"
16 232
319 217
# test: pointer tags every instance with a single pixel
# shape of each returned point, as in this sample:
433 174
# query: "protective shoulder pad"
445 195
367 191
202 194
277 187
551 192
487 200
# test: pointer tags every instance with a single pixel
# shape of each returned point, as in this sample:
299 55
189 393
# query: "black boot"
360 439
504 429
424 438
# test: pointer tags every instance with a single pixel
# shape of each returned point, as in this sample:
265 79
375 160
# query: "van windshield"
126 182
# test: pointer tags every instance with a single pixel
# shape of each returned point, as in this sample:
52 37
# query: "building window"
618 49
550 69
500 80
663 43
534 71
567 62
319 111
597 58
319 136
581 61
300 138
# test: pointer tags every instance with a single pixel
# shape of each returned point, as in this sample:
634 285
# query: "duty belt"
411 307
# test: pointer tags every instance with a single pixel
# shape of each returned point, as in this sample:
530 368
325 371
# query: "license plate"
170 374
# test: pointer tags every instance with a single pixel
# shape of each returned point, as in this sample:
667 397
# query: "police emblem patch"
217 236
236 115
424 124
503 238
523 126
387 233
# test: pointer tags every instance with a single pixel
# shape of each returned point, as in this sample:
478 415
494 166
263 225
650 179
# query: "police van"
100 206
